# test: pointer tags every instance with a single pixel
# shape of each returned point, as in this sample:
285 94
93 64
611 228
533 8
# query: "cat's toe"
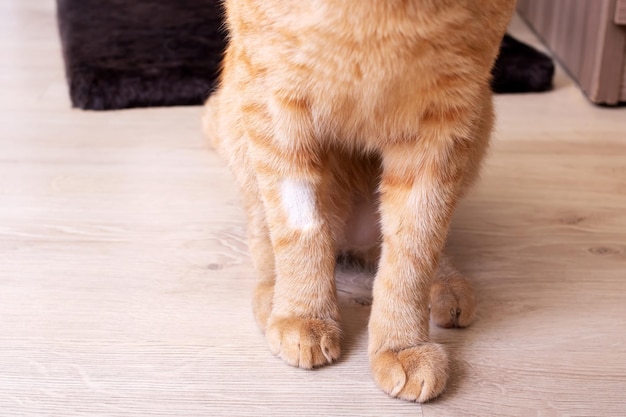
417 374
305 343
452 302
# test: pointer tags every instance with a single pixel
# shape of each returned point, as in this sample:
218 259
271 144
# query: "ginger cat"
327 107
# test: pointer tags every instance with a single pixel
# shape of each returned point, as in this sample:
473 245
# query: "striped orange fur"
329 106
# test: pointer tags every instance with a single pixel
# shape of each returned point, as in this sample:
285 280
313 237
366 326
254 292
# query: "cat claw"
455 314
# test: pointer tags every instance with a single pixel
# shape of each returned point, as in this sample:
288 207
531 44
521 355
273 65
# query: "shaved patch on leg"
298 198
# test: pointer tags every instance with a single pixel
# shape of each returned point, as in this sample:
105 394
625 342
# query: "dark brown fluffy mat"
139 53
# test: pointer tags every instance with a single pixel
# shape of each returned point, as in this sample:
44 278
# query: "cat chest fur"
360 86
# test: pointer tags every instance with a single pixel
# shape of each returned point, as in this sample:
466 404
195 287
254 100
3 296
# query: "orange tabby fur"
326 106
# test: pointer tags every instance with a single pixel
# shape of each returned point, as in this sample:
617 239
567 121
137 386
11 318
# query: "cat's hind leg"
452 301
210 121
218 127
262 254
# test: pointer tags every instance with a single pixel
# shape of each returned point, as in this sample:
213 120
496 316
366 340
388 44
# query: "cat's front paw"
452 302
305 343
417 373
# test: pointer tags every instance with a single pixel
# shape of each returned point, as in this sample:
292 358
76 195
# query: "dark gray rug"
139 53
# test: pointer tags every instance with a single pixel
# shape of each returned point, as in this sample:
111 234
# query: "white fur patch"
298 197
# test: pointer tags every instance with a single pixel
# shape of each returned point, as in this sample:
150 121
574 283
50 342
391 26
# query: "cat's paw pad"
452 302
305 343
417 374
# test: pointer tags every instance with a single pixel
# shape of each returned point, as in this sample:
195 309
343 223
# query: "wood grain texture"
125 280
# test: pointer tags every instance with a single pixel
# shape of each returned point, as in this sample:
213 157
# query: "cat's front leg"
419 189
303 326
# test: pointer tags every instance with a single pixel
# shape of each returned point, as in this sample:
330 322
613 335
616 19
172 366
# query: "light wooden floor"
125 280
